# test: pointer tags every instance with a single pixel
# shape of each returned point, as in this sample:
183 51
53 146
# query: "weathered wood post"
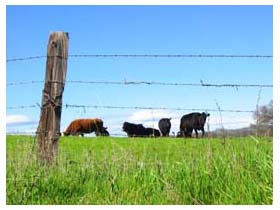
48 130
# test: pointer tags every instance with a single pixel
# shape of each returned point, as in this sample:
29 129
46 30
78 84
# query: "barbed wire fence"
86 107
147 83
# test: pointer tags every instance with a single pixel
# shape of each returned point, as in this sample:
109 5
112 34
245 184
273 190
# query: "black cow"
192 121
133 130
164 125
152 132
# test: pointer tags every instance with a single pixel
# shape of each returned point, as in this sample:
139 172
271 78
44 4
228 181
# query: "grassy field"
107 170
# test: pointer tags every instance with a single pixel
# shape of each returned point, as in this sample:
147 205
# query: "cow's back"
73 127
189 120
90 125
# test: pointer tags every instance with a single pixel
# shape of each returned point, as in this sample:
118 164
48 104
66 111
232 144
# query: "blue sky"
236 30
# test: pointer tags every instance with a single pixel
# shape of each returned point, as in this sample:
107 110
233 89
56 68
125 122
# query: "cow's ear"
170 118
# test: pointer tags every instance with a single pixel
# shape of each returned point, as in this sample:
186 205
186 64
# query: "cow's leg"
202 132
82 134
190 133
187 132
196 133
167 134
184 133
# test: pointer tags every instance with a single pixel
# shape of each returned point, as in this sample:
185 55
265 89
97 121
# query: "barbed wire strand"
25 58
151 108
134 107
23 83
144 56
173 55
125 82
22 107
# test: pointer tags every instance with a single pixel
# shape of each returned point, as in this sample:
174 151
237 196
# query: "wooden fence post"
48 130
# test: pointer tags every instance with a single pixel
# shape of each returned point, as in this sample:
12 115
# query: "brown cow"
81 126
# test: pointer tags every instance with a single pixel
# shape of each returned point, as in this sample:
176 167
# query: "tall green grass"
107 170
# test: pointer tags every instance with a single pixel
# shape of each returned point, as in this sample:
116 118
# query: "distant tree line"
263 125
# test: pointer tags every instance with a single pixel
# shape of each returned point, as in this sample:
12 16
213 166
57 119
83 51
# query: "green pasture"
110 170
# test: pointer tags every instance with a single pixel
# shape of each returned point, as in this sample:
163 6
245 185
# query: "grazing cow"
133 130
82 126
192 121
164 125
151 132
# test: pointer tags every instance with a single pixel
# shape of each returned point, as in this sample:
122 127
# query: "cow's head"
65 134
205 114
104 131
203 117
125 126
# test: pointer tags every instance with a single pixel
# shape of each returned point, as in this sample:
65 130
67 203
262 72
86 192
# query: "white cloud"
18 120
150 115
150 118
